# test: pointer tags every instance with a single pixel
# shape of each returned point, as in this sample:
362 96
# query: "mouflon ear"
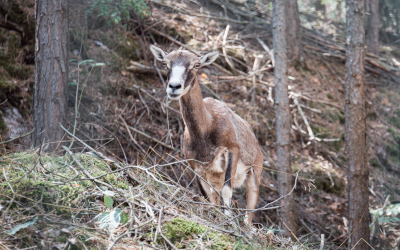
158 53
209 58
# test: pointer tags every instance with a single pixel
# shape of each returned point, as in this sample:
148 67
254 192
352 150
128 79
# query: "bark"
357 173
293 30
282 118
51 74
373 27
396 15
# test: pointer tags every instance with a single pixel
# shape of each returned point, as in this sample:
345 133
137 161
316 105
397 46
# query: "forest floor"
124 114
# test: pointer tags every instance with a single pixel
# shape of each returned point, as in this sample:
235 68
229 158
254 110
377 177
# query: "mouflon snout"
176 81
182 68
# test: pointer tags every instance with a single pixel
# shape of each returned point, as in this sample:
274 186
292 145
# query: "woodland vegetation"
91 149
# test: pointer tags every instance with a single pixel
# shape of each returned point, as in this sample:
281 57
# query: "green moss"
323 182
126 47
36 180
395 121
342 118
372 116
320 132
180 230
337 145
330 96
8 56
338 116
395 134
3 125
393 151
375 163
397 112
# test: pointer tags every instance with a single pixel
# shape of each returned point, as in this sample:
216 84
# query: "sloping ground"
87 201
123 112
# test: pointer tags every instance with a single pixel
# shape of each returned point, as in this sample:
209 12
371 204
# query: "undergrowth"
61 201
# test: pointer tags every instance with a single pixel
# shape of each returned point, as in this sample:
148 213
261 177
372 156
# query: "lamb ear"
209 58
158 53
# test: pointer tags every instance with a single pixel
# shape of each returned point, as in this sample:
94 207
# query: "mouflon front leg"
231 166
205 186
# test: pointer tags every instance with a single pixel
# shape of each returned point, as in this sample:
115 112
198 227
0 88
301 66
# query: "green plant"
118 10
92 64
113 217
386 214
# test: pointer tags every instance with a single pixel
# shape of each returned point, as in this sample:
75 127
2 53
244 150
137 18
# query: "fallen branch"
160 231
83 169
146 135
143 69
188 48
206 16
227 59
369 60
310 132
291 232
13 139
127 233
133 139
320 101
268 50
268 204
155 99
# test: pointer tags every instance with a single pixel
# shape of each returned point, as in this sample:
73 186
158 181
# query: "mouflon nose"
175 86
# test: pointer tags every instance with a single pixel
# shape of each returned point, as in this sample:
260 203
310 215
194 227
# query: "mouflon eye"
197 65
164 64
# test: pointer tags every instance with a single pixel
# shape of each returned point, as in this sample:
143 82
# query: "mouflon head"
182 67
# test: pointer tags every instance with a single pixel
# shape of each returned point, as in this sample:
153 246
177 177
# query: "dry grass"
62 195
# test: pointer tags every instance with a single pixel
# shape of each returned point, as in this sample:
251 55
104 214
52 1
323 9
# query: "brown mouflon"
214 134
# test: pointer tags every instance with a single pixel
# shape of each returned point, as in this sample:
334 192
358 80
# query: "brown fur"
216 135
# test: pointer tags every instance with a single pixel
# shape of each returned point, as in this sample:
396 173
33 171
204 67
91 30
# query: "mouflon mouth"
174 96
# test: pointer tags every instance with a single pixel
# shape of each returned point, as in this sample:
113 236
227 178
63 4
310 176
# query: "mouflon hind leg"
252 185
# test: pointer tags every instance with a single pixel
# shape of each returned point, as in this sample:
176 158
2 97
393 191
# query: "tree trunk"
339 11
282 117
396 14
373 27
357 172
51 74
293 30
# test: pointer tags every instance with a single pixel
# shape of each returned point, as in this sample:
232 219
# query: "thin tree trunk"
396 14
373 27
339 11
51 74
293 30
282 117
357 173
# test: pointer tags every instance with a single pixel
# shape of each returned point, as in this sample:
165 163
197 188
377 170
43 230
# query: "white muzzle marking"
176 82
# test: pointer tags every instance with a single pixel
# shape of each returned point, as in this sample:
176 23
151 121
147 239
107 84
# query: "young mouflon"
214 134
